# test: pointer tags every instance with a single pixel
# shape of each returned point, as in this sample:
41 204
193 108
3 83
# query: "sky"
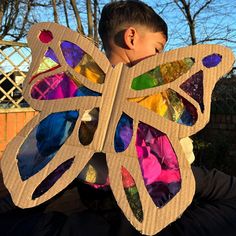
214 20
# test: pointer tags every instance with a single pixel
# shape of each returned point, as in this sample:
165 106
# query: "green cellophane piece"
162 74
132 194
148 80
134 202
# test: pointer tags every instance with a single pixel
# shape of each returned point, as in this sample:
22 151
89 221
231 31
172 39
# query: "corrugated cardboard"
114 101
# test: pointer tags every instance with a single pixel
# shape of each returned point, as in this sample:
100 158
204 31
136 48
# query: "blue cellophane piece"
83 91
124 133
72 53
186 119
211 60
44 141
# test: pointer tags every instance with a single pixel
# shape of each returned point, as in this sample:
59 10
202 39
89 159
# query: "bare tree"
200 21
16 16
77 16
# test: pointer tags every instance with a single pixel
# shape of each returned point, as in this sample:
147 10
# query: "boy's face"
147 44
135 44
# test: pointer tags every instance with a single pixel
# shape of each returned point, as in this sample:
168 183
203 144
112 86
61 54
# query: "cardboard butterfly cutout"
114 98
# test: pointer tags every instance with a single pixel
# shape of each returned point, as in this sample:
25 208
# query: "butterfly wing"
150 177
61 66
63 83
30 187
192 84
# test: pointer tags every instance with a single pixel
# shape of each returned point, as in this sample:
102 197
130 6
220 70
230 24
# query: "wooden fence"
15 60
11 122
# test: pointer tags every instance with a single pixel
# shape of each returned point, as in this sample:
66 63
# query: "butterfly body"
111 92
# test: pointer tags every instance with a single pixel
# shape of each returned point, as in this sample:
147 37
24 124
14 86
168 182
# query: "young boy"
131 31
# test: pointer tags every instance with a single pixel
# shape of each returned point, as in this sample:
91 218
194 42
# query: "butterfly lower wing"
42 185
126 181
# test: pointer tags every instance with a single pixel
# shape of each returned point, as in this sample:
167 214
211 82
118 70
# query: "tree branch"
191 23
77 16
55 11
89 18
66 14
201 8
216 39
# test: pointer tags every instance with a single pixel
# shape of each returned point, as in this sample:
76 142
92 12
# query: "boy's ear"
130 36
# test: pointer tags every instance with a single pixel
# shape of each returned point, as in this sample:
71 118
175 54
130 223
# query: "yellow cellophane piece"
88 68
91 175
45 65
173 70
157 103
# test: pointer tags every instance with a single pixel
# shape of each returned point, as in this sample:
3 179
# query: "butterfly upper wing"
71 68
204 72
49 153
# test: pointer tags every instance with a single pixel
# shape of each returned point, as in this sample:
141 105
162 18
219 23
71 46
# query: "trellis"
15 59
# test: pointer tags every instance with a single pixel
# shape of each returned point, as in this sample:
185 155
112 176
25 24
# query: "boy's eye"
157 50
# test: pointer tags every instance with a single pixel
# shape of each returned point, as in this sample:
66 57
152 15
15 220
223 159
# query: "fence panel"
15 60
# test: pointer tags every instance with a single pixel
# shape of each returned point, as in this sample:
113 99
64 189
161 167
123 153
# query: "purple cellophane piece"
51 54
194 88
211 60
54 87
52 178
159 165
72 53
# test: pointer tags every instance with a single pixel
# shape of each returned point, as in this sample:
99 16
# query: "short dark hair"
115 15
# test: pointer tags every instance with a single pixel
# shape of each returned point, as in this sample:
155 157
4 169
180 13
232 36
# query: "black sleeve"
214 185
213 210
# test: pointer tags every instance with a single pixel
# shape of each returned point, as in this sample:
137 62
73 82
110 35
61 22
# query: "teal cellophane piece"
44 141
162 74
